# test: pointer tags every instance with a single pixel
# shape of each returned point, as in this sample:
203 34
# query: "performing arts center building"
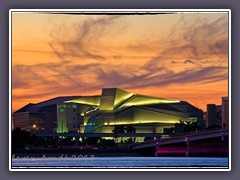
102 113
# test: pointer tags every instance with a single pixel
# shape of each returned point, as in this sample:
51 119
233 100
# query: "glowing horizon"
180 56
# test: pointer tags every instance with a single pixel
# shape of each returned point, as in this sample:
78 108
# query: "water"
121 162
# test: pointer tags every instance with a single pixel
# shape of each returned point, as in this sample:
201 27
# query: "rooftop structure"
103 113
116 107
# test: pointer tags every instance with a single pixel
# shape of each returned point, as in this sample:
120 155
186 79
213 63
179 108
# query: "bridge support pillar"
187 148
156 147
224 137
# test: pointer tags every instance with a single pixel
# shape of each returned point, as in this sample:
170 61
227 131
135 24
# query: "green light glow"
74 106
62 126
111 107
142 122
92 110
120 97
193 119
107 99
139 100
93 100
112 98
149 115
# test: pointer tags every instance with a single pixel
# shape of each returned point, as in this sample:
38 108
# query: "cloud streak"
193 51
197 40
76 40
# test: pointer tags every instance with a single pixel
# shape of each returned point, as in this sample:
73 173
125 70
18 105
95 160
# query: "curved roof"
89 100
139 100
115 99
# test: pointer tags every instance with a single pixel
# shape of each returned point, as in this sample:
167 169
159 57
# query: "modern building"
40 117
102 113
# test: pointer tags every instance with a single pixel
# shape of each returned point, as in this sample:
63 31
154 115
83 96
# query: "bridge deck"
182 138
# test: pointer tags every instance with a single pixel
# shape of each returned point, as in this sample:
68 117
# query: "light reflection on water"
121 162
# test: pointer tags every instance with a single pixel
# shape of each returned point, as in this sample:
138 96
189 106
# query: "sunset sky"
181 56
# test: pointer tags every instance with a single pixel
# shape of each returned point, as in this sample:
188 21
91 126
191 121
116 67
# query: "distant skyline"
182 56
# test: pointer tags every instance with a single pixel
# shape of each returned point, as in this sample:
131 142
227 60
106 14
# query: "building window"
74 106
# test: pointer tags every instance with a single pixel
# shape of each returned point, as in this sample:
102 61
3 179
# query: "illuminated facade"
40 117
100 114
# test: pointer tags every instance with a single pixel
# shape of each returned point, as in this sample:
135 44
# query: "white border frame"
118 11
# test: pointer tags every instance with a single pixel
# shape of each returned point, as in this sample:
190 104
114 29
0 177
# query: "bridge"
178 139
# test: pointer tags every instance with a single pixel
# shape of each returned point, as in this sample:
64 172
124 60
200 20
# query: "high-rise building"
217 115
211 115
225 112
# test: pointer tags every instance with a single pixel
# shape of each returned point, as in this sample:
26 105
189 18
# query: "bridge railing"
182 137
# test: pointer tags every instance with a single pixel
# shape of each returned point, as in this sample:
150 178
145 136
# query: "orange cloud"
178 56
